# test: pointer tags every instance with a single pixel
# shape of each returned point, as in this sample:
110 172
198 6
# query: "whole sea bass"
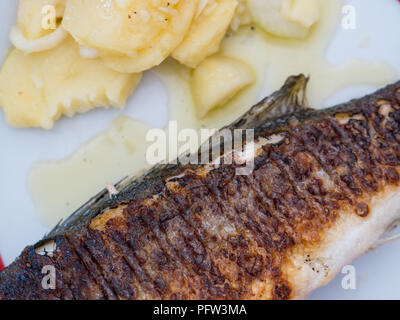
324 190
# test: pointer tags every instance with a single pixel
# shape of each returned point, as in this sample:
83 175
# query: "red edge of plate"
1 264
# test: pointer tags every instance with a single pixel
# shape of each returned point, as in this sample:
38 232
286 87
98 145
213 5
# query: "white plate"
377 272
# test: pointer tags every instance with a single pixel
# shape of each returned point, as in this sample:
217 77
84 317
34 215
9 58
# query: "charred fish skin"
184 232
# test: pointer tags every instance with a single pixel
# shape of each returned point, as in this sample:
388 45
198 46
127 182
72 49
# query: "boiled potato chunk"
30 16
285 18
242 16
305 12
37 89
132 35
218 79
206 32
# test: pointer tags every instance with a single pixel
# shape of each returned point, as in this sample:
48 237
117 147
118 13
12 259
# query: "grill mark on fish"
270 221
192 252
247 237
185 274
148 268
280 287
263 256
312 207
348 159
234 237
225 209
255 216
77 281
347 179
207 240
75 274
238 213
366 168
280 228
136 242
252 261
62 288
91 266
33 265
194 278
203 220
385 157
66 278
372 153
203 258
301 170
282 163
163 234
145 283
144 286
115 268
159 257
313 149
274 189
187 232
281 195
98 252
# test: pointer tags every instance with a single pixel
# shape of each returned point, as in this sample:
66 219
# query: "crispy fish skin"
317 198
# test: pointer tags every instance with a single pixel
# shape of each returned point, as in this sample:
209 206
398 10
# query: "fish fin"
383 241
86 212
289 99
385 238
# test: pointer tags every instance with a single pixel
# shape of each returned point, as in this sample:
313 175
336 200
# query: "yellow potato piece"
132 35
30 16
217 80
305 12
37 89
284 18
206 32
242 16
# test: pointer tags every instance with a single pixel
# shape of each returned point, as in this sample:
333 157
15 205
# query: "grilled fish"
323 190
